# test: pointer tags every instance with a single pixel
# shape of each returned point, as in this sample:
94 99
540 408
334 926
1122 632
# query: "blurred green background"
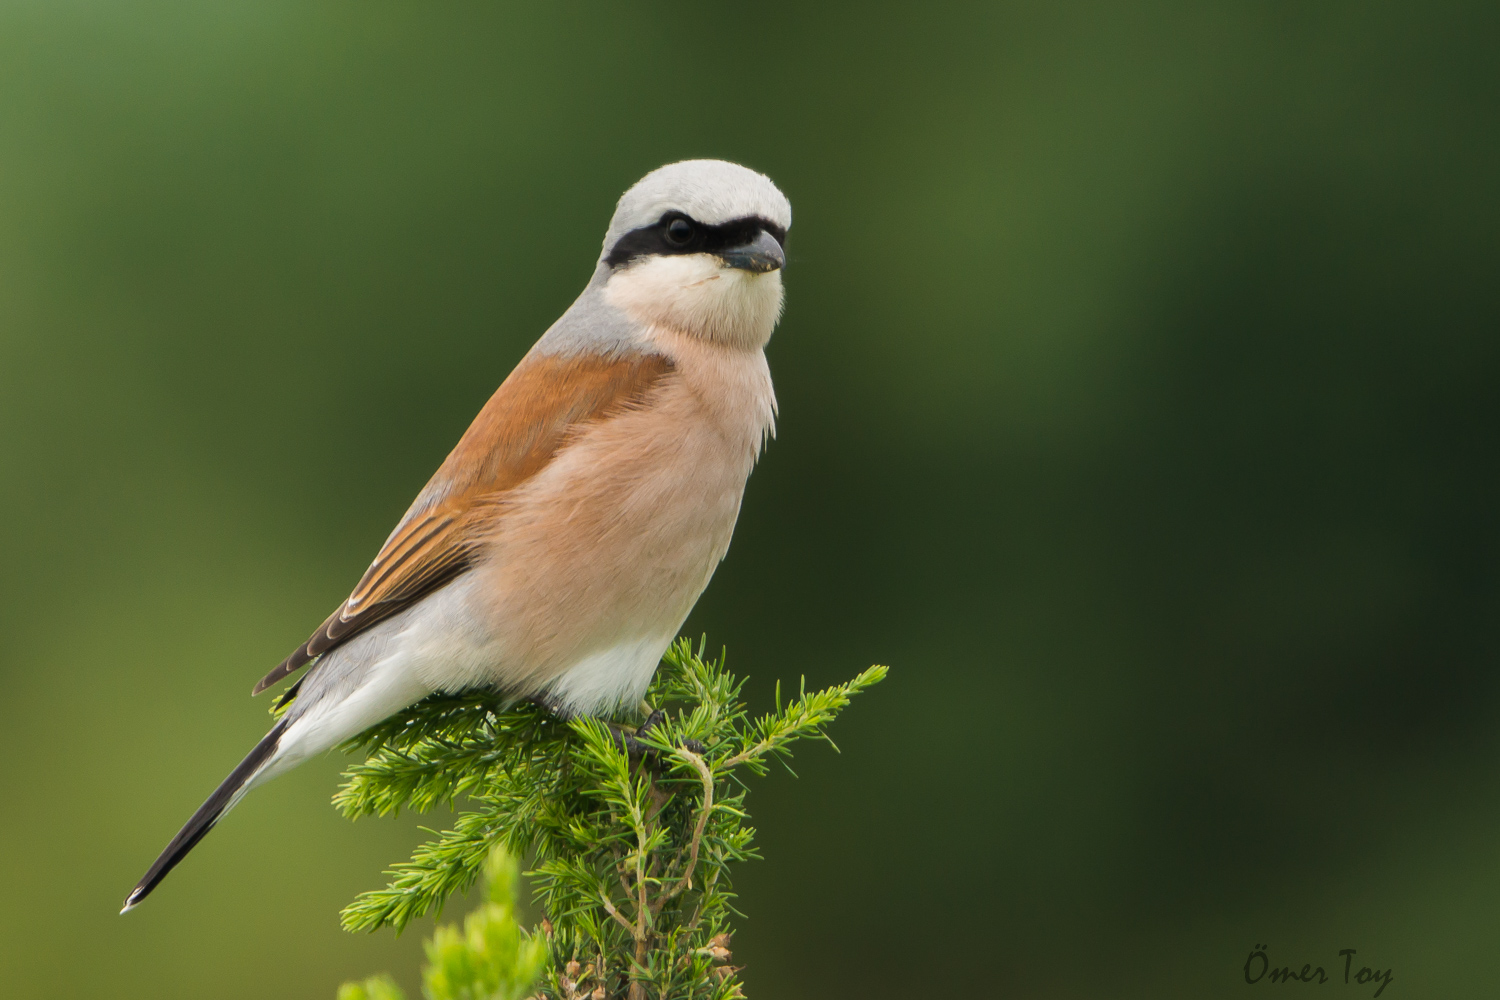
1140 389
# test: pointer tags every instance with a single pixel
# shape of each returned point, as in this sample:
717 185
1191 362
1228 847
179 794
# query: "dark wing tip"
299 659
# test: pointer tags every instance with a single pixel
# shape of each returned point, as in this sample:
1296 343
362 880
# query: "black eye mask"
669 236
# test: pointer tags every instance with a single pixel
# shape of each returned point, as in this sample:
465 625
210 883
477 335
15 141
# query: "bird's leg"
655 718
625 739
693 746
552 705
652 720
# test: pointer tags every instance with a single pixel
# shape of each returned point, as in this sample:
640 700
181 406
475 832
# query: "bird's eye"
679 231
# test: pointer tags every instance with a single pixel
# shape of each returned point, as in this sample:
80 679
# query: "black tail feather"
204 819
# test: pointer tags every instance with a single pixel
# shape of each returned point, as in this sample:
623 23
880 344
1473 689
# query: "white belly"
615 676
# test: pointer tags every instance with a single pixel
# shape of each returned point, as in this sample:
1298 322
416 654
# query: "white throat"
697 295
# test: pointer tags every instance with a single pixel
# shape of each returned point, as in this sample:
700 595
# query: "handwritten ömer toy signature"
1258 967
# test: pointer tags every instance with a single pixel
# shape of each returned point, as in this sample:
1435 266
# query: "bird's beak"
759 256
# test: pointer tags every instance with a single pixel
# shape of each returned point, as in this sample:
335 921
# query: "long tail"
220 802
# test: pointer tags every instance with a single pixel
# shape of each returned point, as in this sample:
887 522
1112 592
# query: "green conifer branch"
631 856
492 958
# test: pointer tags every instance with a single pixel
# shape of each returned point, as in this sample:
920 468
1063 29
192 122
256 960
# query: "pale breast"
595 563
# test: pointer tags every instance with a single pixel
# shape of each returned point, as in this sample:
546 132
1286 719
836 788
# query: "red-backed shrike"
560 546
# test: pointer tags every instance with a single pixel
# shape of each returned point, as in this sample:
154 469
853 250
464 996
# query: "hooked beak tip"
761 255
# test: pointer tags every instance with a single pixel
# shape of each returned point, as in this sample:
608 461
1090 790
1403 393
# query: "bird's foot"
632 745
630 742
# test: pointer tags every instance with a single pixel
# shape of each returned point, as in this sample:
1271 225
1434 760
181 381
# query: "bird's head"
698 247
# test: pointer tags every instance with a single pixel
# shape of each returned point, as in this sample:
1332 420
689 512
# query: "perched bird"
560 546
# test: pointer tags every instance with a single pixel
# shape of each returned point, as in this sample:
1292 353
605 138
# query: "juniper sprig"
630 854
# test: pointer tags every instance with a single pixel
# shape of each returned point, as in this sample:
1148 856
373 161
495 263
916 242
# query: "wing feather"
528 420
